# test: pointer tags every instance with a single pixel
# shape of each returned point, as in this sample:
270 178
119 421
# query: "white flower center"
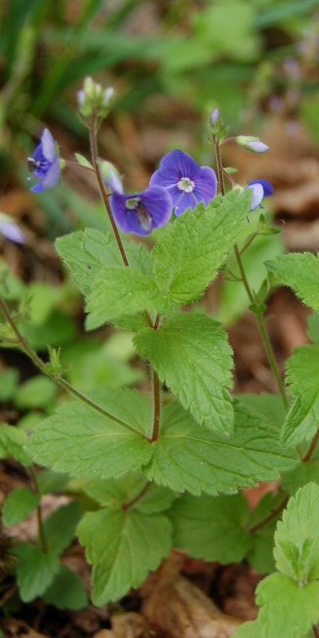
132 203
185 184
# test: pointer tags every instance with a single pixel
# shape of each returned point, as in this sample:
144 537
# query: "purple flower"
10 230
45 163
141 212
186 181
261 188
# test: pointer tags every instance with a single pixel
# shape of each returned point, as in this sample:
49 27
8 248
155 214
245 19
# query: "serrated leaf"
288 610
301 475
123 547
190 251
187 457
118 292
299 271
35 571
82 442
66 591
313 327
192 356
12 442
60 526
303 379
18 505
212 528
114 494
296 539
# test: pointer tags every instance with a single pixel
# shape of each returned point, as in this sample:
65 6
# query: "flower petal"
206 185
48 145
257 196
158 205
173 166
186 200
267 186
53 175
11 231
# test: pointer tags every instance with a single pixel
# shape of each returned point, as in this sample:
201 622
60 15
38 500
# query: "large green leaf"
190 251
191 354
123 547
110 493
66 591
299 271
79 440
188 457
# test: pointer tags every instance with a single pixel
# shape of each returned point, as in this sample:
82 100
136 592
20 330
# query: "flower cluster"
178 184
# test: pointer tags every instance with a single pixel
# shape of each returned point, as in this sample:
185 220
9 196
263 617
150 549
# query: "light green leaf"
269 406
249 630
288 610
114 494
123 547
79 440
66 591
49 481
18 505
299 271
83 161
117 292
191 354
303 379
12 442
313 327
8 383
188 457
35 571
37 392
212 528
60 526
296 539
190 251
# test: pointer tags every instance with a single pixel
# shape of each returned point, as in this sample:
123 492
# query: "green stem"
41 532
273 514
22 341
129 504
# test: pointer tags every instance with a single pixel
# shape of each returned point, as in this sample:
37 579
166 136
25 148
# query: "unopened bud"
93 98
111 176
252 143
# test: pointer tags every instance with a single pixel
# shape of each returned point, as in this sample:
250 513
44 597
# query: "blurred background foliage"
171 62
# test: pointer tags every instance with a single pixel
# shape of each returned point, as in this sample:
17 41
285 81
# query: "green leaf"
188 457
19 504
296 539
288 610
83 161
123 547
313 327
261 555
60 526
12 442
303 379
269 406
190 251
117 292
35 571
299 271
301 475
81 441
249 630
66 591
114 494
191 354
37 392
212 528
8 383
49 481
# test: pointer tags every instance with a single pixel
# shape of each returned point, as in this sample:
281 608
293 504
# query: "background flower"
45 163
188 183
10 230
141 212
261 188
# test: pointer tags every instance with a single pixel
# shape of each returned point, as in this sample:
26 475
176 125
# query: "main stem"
258 313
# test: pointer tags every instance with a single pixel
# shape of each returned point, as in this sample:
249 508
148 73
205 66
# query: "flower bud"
111 176
252 143
93 98
215 116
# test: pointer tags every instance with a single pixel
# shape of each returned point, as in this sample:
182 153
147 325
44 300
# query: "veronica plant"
166 468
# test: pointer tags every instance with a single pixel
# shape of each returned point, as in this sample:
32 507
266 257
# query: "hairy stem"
104 194
258 313
129 504
41 532
62 383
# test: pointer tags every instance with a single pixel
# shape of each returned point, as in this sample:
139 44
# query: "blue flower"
261 188
45 163
186 181
141 212
10 230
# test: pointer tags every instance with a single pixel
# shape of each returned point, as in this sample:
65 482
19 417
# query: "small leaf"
66 591
212 528
12 443
303 379
60 526
299 271
188 457
35 571
123 547
81 441
18 505
83 161
287 610
37 392
190 251
191 354
8 383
